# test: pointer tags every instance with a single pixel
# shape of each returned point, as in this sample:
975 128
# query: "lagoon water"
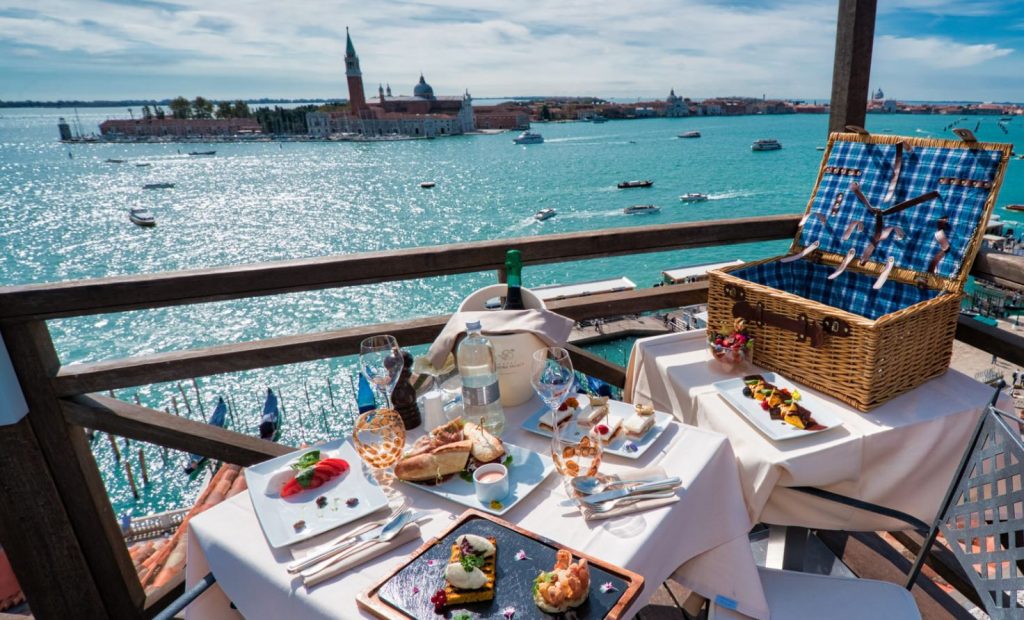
64 218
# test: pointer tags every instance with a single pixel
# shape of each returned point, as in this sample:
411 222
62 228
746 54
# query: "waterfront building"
675 106
178 127
424 114
501 117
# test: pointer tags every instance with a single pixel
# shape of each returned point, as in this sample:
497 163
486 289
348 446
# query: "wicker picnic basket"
864 306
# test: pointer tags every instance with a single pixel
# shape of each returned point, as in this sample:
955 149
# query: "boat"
690 134
694 197
819 148
141 216
1015 207
544 214
427 184
631 184
599 119
116 161
270 421
197 153
196 461
158 186
641 210
528 137
143 165
765 144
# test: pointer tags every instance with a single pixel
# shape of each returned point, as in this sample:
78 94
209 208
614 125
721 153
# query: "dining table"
701 539
901 455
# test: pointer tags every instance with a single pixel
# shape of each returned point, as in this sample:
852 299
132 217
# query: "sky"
226 49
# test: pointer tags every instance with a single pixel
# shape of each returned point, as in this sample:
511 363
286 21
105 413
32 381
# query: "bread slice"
486 593
486 447
448 459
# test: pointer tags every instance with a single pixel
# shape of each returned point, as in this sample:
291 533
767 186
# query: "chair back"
982 517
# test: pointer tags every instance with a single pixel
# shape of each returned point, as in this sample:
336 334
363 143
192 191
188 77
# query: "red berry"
764 405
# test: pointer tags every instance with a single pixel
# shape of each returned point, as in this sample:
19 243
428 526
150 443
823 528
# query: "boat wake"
737 193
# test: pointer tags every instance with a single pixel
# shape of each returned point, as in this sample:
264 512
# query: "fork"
627 501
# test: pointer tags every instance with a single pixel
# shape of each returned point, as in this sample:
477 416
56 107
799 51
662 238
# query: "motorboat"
427 184
198 153
116 161
641 210
693 197
631 184
765 144
158 186
544 214
141 216
690 134
143 165
1015 207
819 148
528 137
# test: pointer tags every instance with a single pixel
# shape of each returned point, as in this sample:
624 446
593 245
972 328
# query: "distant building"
423 114
675 106
501 117
179 127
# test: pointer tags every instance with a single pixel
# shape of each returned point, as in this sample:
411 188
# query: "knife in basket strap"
804 327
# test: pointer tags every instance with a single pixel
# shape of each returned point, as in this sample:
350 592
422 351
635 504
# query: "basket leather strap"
940 237
803 327
881 232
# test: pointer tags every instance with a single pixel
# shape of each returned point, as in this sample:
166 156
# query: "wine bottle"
514 278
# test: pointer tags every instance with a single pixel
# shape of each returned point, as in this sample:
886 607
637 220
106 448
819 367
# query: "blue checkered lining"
851 291
922 167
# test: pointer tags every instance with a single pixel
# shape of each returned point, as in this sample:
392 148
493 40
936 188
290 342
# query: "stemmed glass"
552 377
379 435
381 362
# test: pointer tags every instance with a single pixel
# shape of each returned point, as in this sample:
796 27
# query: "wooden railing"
57 524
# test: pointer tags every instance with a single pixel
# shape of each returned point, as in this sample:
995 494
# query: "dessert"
470 574
732 349
640 422
563 588
608 428
551 419
598 409
312 471
780 403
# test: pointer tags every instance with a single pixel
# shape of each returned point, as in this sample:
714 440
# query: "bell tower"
356 97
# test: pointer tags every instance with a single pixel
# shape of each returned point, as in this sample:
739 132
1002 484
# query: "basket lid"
916 206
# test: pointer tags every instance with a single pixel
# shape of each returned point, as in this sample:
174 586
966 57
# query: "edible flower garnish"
415 590
631 447
521 555
431 562
508 612
607 587
496 505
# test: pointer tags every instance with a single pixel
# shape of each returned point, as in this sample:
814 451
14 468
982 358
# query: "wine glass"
551 375
381 362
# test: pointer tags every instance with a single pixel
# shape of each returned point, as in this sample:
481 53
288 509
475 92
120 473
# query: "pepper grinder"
404 395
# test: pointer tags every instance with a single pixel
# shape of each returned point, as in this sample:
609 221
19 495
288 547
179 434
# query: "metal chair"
179 604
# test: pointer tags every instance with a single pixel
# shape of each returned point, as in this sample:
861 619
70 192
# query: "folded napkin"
409 533
648 473
550 327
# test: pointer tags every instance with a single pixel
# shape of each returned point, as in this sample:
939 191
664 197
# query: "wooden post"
199 398
174 402
113 446
330 392
131 479
142 467
82 494
851 73
184 398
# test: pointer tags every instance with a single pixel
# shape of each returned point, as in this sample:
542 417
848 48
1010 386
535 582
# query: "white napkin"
409 533
552 328
648 473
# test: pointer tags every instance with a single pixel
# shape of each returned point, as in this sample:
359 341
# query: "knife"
636 489
331 550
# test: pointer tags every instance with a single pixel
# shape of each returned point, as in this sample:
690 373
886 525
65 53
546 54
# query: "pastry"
608 428
486 447
450 458
645 410
470 575
637 425
563 588
554 418
780 403
592 415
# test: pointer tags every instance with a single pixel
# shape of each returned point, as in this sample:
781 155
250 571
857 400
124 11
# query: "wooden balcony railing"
51 490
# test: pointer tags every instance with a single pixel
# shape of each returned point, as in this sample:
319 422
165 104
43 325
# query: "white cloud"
936 52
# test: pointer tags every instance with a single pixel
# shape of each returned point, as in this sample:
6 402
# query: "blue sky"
114 49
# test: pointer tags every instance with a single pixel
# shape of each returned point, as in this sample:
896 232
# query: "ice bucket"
512 351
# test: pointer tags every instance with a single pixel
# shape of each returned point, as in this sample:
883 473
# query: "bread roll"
486 447
444 460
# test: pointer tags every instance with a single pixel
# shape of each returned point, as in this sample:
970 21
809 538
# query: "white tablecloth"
705 534
901 455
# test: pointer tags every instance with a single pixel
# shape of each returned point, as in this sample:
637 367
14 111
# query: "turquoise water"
65 218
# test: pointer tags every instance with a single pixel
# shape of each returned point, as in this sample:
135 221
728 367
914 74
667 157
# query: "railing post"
67 463
851 73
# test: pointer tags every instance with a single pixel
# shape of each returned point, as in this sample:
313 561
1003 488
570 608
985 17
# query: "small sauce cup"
490 482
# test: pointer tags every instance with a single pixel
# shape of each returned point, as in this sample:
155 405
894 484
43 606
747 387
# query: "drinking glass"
379 437
381 362
552 377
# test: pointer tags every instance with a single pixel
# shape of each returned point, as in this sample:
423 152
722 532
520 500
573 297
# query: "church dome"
423 89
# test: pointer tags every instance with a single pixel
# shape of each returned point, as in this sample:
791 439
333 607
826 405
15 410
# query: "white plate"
278 515
527 470
732 391
623 445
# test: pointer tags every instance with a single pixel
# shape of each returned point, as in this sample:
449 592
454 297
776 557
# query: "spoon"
334 549
588 485
626 501
390 530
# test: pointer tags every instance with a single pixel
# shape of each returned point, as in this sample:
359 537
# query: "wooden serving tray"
405 592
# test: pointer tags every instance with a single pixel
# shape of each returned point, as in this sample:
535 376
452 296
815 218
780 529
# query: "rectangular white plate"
623 445
732 391
527 471
278 515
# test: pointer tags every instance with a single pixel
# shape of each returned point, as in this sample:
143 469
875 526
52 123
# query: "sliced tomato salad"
313 474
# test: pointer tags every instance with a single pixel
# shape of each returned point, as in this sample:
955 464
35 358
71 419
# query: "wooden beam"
175 288
999 342
1003 269
851 72
73 469
144 424
596 366
36 533
177 365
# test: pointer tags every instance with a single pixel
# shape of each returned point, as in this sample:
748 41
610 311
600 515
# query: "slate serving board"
396 596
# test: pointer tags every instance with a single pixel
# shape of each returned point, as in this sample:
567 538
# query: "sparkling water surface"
65 218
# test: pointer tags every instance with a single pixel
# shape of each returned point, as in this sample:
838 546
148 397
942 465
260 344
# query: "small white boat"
141 216
693 197
690 134
641 210
158 186
766 144
427 184
528 137
544 214
819 148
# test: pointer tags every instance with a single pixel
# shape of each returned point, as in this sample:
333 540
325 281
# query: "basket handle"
806 329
